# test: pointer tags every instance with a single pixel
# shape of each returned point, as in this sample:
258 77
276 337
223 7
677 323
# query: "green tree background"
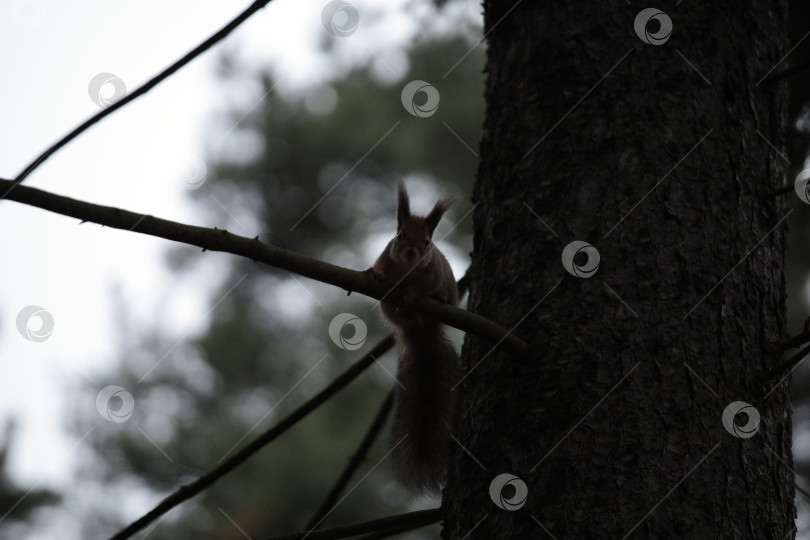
267 347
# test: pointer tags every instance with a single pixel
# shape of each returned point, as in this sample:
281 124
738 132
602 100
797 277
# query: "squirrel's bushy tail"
425 407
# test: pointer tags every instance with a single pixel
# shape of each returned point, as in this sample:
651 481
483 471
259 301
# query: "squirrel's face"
413 243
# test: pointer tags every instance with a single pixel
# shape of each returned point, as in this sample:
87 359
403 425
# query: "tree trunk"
661 155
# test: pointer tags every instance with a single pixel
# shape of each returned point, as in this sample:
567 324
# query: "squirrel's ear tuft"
403 205
436 214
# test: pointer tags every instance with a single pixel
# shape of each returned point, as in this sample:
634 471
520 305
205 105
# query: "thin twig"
782 190
789 72
798 339
354 463
387 533
801 490
151 83
790 343
787 364
194 488
252 248
416 519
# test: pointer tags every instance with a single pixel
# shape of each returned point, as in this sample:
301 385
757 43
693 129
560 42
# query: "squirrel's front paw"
408 296
405 303
440 298
374 274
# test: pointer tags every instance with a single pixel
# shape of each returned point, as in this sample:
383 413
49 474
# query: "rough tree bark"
661 157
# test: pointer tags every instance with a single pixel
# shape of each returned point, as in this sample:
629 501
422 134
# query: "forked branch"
188 491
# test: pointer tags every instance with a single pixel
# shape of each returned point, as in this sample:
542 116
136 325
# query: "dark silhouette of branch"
188 491
412 519
789 72
794 359
154 81
799 339
388 533
354 463
787 364
221 240
783 190
801 490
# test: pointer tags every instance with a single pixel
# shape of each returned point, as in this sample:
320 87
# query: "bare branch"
787 364
388 533
413 520
252 248
798 68
151 83
801 490
194 488
798 339
782 190
359 456
795 341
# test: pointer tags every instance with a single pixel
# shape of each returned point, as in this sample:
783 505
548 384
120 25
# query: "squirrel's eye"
427 241
399 236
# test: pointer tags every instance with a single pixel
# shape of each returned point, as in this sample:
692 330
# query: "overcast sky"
141 158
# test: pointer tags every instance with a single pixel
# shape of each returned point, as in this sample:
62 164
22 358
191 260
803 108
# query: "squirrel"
424 404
